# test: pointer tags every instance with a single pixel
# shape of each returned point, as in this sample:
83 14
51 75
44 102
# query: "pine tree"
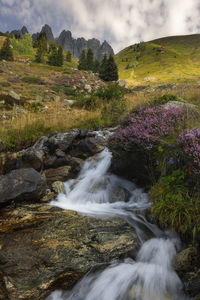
53 54
39 54
112 70
69 56
108 69
90 60
103 67
82 61
60 57
96 66
6 51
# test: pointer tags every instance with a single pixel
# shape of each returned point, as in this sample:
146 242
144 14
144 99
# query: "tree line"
106 68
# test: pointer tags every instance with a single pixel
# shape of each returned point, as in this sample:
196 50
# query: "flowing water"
151 276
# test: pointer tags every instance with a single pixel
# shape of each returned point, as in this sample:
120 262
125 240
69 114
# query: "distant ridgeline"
68 43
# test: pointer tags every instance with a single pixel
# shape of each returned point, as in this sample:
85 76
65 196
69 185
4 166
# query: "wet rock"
49 196
187 265
44 248
92 145
58 174
21 185
58 187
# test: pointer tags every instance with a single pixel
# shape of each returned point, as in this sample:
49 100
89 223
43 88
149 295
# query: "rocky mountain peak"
49 35
24 30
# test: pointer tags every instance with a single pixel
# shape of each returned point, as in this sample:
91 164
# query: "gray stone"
14 95
88 88
21 185
122 83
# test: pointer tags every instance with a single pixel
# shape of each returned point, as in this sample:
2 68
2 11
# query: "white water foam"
151 277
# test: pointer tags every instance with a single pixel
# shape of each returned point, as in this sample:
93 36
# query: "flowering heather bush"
189 143
147 126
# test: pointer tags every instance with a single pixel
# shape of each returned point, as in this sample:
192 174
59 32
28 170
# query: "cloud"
121 22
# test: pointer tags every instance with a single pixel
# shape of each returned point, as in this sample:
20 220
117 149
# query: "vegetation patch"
35 80
159 147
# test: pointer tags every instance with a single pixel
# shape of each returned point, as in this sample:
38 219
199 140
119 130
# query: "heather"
158 149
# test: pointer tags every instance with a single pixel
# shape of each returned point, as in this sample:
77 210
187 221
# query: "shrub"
31 79
6 51
23 46
189 146
112 91
174 205
144 142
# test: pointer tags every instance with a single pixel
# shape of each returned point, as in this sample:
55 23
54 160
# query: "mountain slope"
169 59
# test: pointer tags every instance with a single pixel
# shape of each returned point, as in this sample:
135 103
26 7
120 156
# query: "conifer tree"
39 54
6 51
90 60
69 56
96 66
82 61
108 69
60 57
103 67
53 54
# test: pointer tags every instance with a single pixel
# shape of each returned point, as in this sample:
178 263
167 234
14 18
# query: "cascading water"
151 277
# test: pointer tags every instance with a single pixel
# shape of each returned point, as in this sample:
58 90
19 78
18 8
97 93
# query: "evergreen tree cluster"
108 69
6 51
55 57
87 62
41 45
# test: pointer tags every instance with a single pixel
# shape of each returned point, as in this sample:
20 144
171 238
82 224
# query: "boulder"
61 141
44 248
32 158
21 185
187 265
91 145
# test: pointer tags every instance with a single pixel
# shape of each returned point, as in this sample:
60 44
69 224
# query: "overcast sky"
120 22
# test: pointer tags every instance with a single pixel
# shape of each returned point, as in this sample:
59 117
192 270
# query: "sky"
120 22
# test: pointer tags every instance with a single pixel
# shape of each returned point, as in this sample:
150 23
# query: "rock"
21 185
62 141
49 196
14 95
32 158
58 174
58 159
187 265
67 102
44 248
186 260
92 145
49 35
58 187
75 46
88 88
122 83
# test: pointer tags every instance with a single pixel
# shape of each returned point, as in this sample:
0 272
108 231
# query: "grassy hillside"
171 59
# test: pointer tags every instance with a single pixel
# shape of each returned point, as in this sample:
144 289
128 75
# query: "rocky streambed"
44 247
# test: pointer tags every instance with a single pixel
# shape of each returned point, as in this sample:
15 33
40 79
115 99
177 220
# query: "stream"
98 193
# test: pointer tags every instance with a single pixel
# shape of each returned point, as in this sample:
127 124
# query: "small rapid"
98 193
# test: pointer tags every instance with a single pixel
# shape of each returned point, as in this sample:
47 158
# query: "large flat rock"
44 247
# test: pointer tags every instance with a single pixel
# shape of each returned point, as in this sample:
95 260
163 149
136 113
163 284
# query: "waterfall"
151 276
